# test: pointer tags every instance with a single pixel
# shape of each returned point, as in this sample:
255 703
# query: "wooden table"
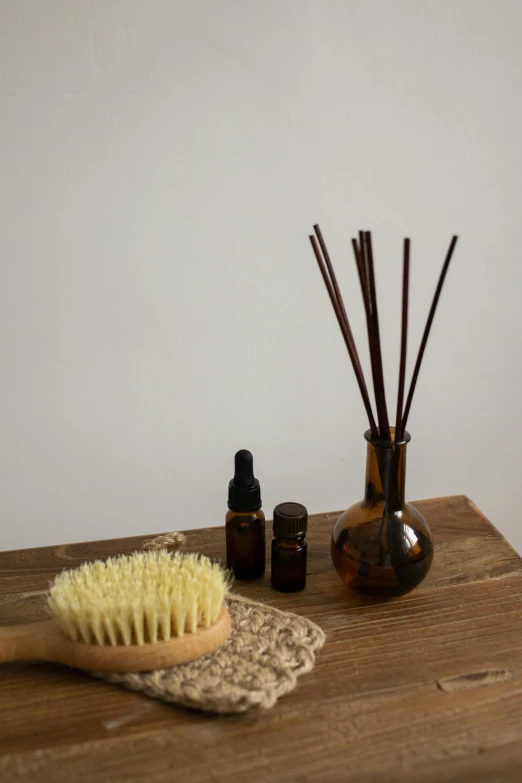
394 695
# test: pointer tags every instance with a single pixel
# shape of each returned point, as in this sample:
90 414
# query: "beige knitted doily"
261 660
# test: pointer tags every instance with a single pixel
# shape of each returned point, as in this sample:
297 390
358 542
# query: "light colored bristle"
134 599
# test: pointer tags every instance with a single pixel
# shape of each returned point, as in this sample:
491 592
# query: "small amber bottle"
245 521
289 547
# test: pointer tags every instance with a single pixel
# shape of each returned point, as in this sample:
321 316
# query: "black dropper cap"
244 492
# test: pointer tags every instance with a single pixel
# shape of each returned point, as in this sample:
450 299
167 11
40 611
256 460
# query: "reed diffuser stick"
404 338
363 278
364 264
375 344
338 295
426 334
335 286
346 331
361 260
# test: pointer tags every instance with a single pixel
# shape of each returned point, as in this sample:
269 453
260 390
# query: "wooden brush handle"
26 642
45 641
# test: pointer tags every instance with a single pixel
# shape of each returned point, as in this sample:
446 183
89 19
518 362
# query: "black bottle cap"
244 492
290 520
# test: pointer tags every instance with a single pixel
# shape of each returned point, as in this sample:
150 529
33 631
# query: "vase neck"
385 475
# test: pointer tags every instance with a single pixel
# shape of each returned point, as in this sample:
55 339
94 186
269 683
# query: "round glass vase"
382 546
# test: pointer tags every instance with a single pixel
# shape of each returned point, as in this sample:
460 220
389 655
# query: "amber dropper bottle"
245 521
289 547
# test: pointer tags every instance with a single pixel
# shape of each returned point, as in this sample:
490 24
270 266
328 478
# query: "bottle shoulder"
245 516
290 543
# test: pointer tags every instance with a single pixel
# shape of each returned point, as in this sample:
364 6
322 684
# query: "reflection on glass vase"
382 546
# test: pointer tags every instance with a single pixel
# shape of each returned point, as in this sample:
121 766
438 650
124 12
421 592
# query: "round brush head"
139 598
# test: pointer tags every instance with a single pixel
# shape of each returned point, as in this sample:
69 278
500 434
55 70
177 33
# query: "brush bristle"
145 597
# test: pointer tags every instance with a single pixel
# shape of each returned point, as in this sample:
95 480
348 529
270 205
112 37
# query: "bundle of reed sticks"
363 252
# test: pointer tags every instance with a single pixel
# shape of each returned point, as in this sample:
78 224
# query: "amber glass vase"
382 547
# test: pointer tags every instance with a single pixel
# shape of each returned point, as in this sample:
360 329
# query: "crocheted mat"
261 660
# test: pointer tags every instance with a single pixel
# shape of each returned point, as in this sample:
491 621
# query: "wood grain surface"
427 687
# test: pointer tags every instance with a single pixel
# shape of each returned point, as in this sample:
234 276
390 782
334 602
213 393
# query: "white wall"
162 163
